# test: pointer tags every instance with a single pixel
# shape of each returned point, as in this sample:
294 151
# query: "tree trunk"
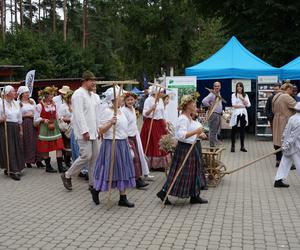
39 6
65 20
30 14
21 14
3 19
54 15
84 24
11 16
16 14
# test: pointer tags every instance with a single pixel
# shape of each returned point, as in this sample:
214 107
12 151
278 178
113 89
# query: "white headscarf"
8 89
109 94
22 90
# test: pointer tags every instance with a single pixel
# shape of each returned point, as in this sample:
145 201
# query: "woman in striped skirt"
134 139
28 105
188 182
123 170
11 114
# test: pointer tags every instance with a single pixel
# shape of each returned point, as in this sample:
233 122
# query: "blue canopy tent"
232 61
291 70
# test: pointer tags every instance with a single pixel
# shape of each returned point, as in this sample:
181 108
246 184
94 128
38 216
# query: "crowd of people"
99 138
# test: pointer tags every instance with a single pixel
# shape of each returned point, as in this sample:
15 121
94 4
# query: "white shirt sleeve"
78 111
182 127
37 114
147 106
248 105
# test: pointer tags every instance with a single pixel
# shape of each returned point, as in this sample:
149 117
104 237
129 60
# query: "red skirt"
48 146
156 158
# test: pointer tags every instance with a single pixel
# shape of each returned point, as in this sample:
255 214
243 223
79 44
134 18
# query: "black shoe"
161 195
123 202
204 188
140 183
67 182
293 167
49 168
15 176
280 184
158 170
277 164
198 200
60 166
39 164
81 175
28 165
95 196
5 172
232 149
243 149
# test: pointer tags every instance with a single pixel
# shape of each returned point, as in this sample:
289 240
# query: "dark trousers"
241 120
278 154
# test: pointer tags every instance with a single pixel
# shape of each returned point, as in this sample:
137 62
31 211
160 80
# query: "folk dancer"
154 109
13 118
30 133
85 122
188 183
134 139
49 136
123 169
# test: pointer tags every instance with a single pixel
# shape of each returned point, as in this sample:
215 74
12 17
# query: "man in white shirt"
59 99
85 122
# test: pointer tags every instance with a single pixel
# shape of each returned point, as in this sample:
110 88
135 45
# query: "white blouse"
121 124
38 111
185 125
159 111
27 107
12 111
131 118
64 112
239 111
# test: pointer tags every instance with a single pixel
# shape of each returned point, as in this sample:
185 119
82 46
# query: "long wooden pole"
217 100
151 122
5 135
254 161
113 146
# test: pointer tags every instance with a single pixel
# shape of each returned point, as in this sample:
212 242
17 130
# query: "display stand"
264 90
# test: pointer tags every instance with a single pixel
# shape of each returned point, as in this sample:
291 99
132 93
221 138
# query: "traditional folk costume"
239 120
188 183
14 123
49 136
123 169
157 159
283 108
65 116
134 139
291 149
30 134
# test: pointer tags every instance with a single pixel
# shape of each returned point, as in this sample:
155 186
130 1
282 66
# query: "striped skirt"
188 183
16 157
156 158
123 171
136 158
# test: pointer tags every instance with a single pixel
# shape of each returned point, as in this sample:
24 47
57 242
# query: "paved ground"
244 212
